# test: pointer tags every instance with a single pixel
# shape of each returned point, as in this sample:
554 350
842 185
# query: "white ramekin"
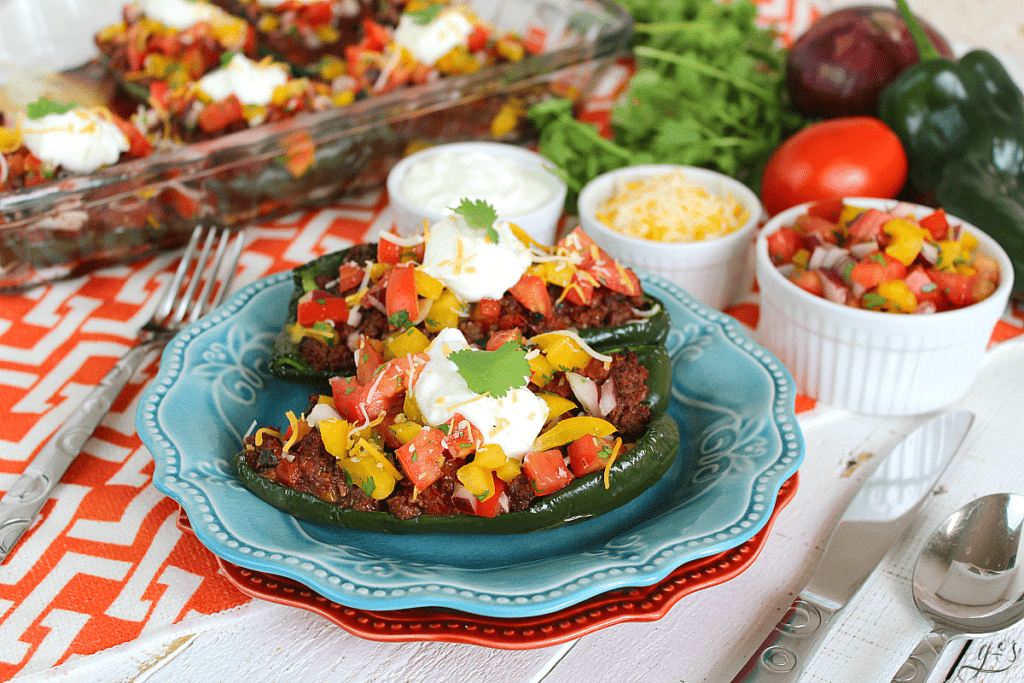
541 223
717 271
870 361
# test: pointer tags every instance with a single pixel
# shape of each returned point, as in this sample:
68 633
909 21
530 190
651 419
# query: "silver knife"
876 517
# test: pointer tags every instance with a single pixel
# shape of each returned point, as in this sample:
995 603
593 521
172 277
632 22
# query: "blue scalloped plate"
733 400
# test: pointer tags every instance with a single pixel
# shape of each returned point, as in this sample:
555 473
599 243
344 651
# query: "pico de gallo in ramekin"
890 261
460 430
353 310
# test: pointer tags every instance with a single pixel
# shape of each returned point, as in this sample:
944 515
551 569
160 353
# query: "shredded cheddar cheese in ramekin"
671 208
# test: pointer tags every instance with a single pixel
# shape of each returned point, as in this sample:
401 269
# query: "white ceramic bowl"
541 223
716 271
870 361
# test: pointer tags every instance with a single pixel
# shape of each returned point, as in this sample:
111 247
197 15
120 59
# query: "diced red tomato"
217 116
401 292
369 357
532 292
580 290
388 385
495 504
546 471
501 337
615 277
809 281
583 244
589 454
926 291
376 37
421 458
138 145
867 274
937 224
955 286
388 251
463 436
815 225
894 268
350 276
168 45
348 396
829 209
196 61
488 308
319 306
783 244
477 39
869 226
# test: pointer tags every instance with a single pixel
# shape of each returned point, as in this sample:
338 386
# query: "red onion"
841 64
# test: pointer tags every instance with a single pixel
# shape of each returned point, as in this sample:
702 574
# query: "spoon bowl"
967 579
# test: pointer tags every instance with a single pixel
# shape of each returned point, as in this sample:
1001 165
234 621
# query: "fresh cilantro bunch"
709 91
493 373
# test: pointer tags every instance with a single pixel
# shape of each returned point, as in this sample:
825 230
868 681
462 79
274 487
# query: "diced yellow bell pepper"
376 452
10 139
800 258
367 473
900 298
905 249
444 312
512 50
541 370
848 213
490 456
557 405
327 35
509 471
949 252
478 480
377 270
900 229
335 437
504 122
405 431
331 66
408 341
570 429
326 400
427 286
968 242
562 352
411 408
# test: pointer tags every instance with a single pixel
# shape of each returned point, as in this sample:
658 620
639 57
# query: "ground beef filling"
607 309
309 468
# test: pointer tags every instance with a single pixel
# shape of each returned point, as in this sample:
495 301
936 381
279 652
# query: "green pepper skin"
985 187
287 364
585 498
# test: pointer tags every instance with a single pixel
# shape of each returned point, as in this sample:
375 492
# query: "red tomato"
546 471
421 458
589 454
532 293
369 357
463 436
217 116
319 306
854 156
501 337
783 244
401 292
488 308
350 276
495 504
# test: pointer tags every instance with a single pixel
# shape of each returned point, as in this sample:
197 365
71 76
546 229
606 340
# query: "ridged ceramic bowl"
540 222
870 361
715 271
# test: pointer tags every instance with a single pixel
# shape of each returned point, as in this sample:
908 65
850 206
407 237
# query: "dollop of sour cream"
251 82
429 42
80 140
513 421
469 264
440 181
181 14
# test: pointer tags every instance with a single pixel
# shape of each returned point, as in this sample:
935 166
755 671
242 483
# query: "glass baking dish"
122 212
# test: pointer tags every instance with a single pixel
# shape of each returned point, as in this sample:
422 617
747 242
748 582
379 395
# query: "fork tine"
202 304
193 283
235 254
170 294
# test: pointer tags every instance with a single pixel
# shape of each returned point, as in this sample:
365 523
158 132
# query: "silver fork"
203 262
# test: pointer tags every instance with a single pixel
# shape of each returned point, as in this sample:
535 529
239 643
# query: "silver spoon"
968 579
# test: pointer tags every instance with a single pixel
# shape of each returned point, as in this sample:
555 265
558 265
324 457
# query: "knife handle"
922 660
785 653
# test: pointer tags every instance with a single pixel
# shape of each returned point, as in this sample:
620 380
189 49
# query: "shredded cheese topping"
671 208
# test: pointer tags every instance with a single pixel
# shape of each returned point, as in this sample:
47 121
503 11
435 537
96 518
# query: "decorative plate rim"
357 577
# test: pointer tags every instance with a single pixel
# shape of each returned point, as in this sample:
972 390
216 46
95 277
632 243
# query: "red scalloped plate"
645 603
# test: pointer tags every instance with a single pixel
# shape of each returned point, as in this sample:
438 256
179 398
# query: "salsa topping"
883 260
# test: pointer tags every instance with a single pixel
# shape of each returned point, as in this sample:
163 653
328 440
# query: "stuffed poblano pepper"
962 126
352 310
459 439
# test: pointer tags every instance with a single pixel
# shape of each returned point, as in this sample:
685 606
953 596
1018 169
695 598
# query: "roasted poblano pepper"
962 126
584 498
288 364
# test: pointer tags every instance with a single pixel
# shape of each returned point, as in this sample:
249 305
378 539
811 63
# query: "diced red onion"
586 392
608 398
832 287
862 249
930 252
463 500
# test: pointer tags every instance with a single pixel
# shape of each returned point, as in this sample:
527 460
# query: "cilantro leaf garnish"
44 106
493 372
400 319
427 14
479 214
226 58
